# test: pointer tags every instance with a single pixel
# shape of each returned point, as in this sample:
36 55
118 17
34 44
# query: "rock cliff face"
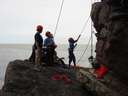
110 18
22 79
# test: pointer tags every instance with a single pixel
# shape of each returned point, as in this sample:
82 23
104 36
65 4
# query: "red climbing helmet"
39 28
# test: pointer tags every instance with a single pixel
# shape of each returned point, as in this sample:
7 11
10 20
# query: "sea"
10 52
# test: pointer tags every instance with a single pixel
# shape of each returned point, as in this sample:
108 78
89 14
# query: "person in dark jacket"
38 45
72 45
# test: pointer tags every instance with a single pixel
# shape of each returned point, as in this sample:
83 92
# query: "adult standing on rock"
50 48
72 45
38 45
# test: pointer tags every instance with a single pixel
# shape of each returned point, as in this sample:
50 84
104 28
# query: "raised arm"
77 39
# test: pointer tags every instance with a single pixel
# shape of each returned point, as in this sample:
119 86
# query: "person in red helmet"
72 45
36 55
38 44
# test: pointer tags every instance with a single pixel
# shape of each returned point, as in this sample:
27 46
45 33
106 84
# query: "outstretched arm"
77 38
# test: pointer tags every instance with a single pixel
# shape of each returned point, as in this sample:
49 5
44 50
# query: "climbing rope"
58 19
84 51
83 28
90 40
92 34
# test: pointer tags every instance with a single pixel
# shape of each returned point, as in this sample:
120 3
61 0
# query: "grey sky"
18 19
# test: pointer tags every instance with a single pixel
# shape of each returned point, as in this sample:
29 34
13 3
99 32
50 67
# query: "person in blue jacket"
50 46
72 45
49 41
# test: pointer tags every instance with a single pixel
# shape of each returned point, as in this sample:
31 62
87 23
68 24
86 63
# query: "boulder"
23 79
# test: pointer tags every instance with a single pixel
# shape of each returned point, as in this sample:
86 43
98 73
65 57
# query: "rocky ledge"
22 79
107 86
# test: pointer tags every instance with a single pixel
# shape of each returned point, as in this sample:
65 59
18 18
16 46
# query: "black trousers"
50 56
71 57
32 57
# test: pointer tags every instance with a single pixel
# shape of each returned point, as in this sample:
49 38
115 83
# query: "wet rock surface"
22 79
